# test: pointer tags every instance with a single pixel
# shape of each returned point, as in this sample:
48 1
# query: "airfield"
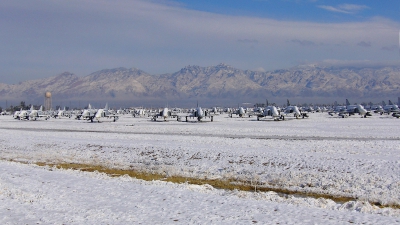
321 169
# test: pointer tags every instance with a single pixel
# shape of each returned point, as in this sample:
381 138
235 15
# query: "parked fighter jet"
165 114
36 114
198 113
24 114
271 111
241 112
105 113
295 110
390 108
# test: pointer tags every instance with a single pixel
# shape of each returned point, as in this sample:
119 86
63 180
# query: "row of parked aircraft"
91 114
270 111
348 110
199 114
87 114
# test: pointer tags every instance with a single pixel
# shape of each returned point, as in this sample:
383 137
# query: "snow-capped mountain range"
213 82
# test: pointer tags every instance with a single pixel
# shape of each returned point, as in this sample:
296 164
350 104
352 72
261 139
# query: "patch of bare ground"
226 184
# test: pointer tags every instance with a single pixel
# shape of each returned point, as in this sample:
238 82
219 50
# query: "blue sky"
47 37
304 10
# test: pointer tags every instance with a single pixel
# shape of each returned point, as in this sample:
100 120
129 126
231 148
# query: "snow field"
43 195
350 157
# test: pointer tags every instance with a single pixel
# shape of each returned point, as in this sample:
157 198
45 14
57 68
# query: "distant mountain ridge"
213 82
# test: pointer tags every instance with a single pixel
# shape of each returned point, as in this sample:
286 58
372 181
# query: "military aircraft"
390 108
87 114
105 113
36 114
241 112
273 112
198 113
295 110
24 114
165 114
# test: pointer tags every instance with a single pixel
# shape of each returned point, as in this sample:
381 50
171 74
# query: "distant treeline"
24 106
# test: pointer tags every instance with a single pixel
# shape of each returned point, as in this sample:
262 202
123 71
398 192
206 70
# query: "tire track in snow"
263 137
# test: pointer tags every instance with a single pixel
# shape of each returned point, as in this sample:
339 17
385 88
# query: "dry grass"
226 184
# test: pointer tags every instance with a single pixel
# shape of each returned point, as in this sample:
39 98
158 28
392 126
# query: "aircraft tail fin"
390 103
347 102
383 103
106 107
288 103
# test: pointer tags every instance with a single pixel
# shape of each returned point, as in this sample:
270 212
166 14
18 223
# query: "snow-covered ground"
351 157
